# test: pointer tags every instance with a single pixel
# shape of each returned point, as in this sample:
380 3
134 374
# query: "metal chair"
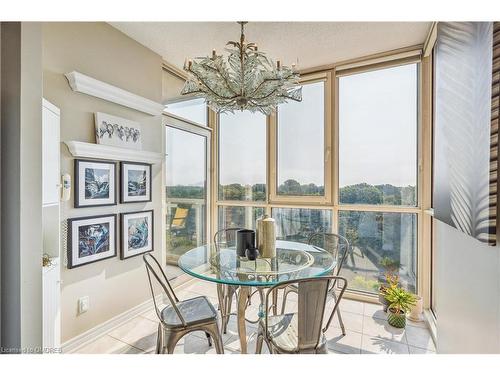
181 317
301 332
225 237
338 246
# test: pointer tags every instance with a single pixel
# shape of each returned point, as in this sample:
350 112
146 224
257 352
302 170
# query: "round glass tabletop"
294 260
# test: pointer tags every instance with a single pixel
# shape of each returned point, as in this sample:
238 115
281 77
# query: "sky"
377 136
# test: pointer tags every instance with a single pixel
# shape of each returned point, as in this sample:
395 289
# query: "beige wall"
102 52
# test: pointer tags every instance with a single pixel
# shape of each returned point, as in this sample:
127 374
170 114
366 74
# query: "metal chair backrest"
335 244
154 268
312 298
226 238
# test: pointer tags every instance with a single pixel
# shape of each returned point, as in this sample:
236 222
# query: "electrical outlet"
83 304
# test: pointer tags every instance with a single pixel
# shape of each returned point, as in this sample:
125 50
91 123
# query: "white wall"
102 52
467 293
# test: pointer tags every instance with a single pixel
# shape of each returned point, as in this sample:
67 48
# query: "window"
380 242
239 216
356 176
378 114
301 128
186 190
297 224
194 110
242 157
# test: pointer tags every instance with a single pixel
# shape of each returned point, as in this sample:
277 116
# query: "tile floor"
367 331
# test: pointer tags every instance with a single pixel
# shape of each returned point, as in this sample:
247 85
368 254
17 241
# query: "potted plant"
391 281
401 301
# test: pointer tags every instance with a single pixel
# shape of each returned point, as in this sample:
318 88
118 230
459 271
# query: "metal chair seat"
301 332
180 317
284 335
196 310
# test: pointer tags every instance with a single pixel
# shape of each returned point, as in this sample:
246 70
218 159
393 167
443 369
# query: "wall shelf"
87 85
95 151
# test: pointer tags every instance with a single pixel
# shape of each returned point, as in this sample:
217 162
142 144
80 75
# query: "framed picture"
91 239
137 233
95 183
135 182
116 131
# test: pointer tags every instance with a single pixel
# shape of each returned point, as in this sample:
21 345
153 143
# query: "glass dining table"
294 260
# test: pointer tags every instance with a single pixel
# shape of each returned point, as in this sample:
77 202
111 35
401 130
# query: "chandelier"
247 81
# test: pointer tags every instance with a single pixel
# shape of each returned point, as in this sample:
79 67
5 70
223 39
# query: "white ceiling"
312 43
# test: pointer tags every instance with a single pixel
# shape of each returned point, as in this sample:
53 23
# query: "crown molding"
95 151
87 85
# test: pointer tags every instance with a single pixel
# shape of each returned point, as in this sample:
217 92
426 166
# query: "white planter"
416 313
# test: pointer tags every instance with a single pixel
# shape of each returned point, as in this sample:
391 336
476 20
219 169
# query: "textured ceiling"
311 43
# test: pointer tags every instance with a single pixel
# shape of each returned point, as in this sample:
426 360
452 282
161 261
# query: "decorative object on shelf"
135 182
95 151
137 233
245 239
266 236
91 239
416 312
95 183
87 85
248 81
400 303
116 131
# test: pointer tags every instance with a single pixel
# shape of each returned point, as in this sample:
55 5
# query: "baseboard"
102 329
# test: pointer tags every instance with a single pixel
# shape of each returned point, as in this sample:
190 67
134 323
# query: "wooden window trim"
330 201
326 199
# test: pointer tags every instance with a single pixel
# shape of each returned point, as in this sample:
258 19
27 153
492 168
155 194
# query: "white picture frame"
117 131
137 233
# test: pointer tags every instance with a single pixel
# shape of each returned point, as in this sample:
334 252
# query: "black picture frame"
70 248
78 203
124 233
124 197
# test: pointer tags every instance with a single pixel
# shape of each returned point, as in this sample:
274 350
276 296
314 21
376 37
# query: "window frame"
182 124
183 119
273 124
330 200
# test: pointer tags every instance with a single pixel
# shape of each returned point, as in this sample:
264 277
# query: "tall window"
356 176
301 128
186 187
378 117
242 157
378 137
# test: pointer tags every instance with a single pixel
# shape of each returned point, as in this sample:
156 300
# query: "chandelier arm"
223 77
264 81
209 88
272 92
291 97
270 80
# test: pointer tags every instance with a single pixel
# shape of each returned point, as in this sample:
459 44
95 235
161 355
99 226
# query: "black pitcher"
245 239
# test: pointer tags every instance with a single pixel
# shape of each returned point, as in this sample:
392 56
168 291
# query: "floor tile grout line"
126 343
